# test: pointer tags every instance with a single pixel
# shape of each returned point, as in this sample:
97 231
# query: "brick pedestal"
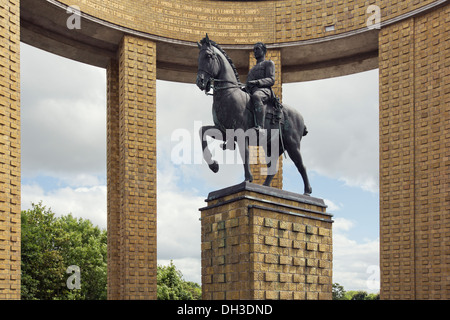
264 243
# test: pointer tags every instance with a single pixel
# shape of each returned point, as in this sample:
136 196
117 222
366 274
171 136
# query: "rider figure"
260 80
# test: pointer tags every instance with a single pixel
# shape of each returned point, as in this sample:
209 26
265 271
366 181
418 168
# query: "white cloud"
63 137
87 203
354 262
333 207
47 75
189 267
178 219
63 114
342 224
179 227
342 119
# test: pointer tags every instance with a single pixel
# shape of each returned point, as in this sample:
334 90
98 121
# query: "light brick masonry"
263 243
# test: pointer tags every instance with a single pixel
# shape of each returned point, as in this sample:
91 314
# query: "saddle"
275 118
274 113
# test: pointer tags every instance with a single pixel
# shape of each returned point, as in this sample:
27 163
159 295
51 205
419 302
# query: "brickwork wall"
257 155
396 159
10 149
113 171
305 20
432 154
132 171
243 22
258 246
414 166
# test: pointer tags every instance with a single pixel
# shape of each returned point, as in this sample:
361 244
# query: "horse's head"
208 64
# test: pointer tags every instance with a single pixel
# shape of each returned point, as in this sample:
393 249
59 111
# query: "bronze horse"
232 112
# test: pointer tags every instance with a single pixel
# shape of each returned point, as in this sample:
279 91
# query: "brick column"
10 150
259 167
132 171
113 197
263 243
414 167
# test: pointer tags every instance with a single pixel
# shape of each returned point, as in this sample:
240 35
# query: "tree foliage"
340 294
50 245
361 295
171 286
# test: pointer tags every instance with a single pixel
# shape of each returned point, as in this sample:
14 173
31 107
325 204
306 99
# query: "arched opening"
341 155
64 157
63 113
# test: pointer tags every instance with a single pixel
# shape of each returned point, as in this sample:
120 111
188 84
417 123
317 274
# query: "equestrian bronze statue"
248 114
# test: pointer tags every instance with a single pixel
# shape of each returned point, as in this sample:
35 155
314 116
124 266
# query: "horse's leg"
204 132
268 153
245 155
296 157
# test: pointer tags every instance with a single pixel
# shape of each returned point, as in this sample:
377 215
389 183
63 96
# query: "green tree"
84 245
171 286
361 295
338 292
50 245
373 296
358 295
195 289
42 263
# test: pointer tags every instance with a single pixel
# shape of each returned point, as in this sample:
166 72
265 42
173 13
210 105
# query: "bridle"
213 81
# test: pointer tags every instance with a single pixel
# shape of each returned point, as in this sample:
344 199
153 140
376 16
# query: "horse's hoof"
214 167
308 191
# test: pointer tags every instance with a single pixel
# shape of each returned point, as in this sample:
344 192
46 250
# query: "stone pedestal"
264 243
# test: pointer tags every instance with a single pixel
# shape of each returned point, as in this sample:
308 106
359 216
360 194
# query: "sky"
63 114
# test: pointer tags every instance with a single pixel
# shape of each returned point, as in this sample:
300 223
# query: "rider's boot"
260 116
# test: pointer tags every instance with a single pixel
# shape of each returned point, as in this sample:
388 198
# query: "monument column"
414 167
258 165
132 171
113 197
10 150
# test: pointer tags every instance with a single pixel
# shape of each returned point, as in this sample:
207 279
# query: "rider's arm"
269 80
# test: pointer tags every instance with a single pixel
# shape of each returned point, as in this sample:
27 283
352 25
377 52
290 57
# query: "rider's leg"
259 98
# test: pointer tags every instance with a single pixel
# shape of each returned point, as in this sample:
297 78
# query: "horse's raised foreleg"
215 133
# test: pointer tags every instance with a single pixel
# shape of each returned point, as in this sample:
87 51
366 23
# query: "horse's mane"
215 45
